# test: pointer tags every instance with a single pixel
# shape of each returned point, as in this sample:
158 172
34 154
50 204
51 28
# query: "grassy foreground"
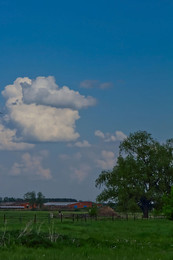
106 239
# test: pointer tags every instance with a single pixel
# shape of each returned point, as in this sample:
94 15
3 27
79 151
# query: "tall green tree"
34 200
31 198
40 199
142 175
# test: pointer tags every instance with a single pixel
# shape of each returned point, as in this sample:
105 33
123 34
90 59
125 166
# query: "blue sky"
115 60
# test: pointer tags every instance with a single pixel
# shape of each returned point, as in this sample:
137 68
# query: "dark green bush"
93 212
168 205
35 240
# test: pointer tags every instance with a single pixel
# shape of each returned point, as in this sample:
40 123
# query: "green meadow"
22 239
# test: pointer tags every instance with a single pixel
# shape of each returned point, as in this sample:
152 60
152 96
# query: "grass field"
103 239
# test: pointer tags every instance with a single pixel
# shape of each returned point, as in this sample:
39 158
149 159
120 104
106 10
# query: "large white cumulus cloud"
44 91
42 111
8 140
44 123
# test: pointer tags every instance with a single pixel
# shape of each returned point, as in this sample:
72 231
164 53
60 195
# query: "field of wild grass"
22 239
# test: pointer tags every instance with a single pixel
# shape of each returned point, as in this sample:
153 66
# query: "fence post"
35 218
85 217
61 217
112 217
73 217
77 217
4 218
20 219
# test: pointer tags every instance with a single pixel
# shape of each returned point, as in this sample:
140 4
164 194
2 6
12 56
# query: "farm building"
81 205
50 205
68 205
14 205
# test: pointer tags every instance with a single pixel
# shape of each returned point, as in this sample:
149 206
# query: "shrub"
168 205
93 212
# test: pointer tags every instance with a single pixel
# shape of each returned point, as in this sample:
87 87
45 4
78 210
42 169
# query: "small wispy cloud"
95 84
107 137
80 144
107 160
105 85
81 172
83 144
99 134
31 166
89 83
66 157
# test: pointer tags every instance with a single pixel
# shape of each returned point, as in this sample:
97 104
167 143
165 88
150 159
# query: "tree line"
13 199
37 200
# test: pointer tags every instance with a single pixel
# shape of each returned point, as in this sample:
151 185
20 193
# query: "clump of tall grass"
27 230
29 236
32 236
3 238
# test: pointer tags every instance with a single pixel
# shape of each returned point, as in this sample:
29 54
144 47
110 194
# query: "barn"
81 205
69 205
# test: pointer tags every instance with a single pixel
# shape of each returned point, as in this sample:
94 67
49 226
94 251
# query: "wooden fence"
61 218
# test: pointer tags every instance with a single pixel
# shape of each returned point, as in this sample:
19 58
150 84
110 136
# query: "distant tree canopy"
33 199
142 175
60 200
12 199
39 199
